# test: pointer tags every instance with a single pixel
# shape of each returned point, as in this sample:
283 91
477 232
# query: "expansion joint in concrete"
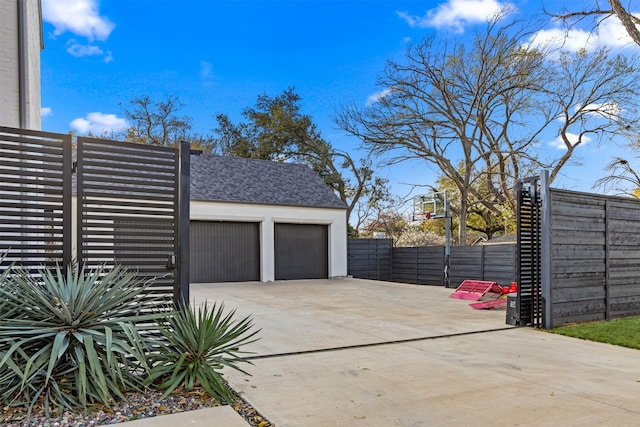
375 344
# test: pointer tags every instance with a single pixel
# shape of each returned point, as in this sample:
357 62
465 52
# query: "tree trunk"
462 221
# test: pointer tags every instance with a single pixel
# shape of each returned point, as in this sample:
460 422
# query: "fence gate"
35 198
128 210
529 253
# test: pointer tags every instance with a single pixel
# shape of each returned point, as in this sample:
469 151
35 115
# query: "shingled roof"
234 179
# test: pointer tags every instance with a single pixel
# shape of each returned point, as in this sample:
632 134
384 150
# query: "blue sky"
218 56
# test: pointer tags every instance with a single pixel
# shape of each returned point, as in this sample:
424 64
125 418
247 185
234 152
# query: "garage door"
224 251
301 251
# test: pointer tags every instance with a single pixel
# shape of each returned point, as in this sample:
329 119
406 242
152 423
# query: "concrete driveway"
366 353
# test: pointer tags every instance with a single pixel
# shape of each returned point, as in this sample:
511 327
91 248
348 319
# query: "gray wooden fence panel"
430 265
370 258
466 263
623 256
375 259
404 265
595 257
499 262
419 265
578 255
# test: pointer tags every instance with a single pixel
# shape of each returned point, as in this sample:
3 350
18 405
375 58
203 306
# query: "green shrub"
198 345
67 340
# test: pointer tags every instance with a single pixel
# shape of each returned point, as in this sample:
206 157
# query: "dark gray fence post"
545 250
67 202
607 260
181 294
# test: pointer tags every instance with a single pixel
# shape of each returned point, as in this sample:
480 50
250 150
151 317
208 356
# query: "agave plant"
198 345
69 339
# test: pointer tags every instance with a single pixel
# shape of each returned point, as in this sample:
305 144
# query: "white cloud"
455 14
376 97
558 143
80 17
572 40
611 33
607 110
45 111
98 124
79 50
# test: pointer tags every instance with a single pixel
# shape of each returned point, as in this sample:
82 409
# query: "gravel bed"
138 406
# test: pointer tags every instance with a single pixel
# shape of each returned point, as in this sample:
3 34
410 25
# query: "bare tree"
621 172
392 224
415 235
440 104
479 113
160 123
621 175
629 21
354 181
594 97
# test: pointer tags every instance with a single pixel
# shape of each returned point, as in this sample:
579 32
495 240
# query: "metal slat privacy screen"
128 209
35 198
529 253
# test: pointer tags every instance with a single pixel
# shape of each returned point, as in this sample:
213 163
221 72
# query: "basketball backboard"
428 206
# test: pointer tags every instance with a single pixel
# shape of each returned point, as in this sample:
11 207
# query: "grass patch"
622 332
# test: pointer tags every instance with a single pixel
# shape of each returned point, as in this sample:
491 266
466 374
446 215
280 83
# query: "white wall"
268 215
10 109
9 95
33 49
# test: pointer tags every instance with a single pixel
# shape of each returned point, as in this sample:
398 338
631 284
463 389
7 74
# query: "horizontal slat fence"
131 203
370 258
35 198
128 210
595 257
418 265
499 262
466 263
425 265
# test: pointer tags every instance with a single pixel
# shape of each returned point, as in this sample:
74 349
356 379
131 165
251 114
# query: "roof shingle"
234 179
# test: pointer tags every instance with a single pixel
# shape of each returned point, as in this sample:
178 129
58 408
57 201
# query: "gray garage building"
257 220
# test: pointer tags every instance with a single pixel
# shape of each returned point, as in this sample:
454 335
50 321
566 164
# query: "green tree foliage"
276 129
480 220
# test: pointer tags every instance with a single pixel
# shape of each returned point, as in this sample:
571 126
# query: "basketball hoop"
429 206
435 205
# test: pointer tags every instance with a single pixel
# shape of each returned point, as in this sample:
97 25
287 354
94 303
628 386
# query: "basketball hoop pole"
447 245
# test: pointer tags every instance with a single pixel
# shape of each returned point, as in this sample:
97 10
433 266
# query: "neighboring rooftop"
234 179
